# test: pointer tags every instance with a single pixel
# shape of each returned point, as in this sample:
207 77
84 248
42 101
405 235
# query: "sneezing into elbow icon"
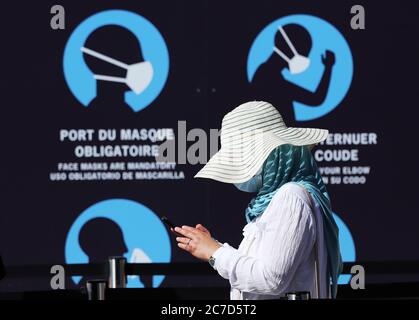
138 77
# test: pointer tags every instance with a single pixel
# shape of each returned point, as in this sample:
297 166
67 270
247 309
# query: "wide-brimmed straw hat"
248 135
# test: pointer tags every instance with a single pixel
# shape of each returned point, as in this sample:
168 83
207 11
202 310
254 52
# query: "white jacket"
278 252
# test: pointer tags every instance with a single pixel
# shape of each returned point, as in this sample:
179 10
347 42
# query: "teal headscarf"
288 163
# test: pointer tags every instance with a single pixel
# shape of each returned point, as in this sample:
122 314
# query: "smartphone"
171 226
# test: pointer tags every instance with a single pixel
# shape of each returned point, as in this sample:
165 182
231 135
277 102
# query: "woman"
291 239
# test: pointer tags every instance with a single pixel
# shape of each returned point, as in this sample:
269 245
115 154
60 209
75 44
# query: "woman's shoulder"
290 200
293 191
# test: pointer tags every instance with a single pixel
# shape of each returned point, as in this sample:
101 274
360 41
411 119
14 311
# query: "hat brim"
239 163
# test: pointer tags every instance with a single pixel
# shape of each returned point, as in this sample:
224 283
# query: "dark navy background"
208 44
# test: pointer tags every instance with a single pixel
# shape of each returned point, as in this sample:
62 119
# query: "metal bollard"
301 295
96 289
117 275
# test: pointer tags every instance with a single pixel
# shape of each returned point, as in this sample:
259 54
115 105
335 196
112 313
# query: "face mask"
252 185
139 75
297 63
138 256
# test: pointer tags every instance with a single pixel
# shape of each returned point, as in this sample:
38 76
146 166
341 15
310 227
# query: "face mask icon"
297 63
139 256
139 75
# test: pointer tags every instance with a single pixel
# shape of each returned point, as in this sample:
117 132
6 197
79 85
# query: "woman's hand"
197 241
203 229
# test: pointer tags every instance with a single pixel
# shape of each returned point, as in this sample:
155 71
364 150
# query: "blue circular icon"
82 82
324 37
118 227
347 247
